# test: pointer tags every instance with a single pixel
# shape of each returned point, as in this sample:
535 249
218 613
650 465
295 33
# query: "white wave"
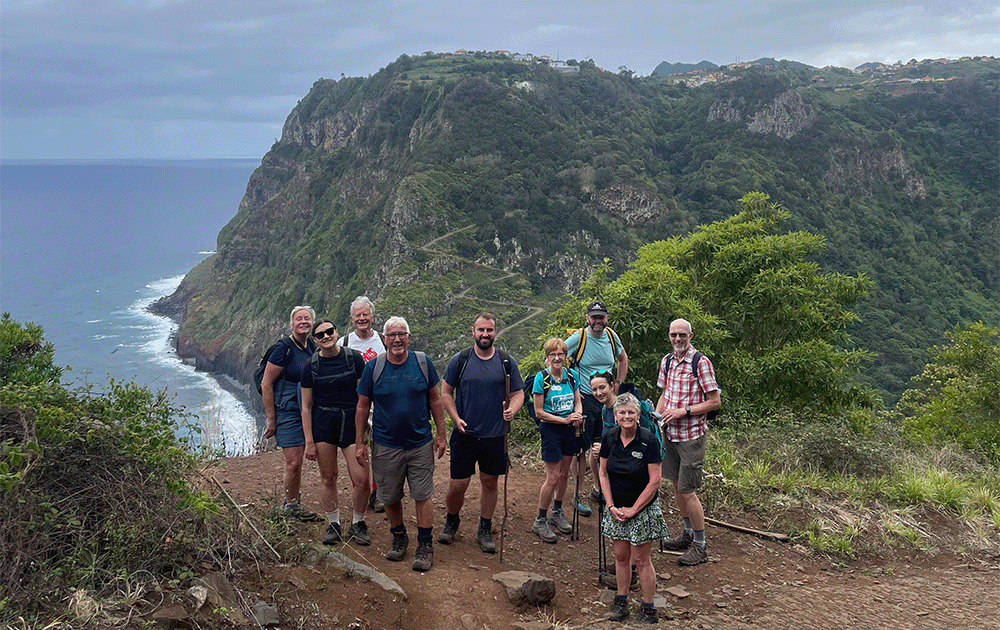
100 336
225 421
94 321
206 253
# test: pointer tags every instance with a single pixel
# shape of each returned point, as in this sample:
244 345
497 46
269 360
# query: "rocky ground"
749 582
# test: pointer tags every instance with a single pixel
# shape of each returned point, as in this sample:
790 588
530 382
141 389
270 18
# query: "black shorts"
594 426
466 450
333 426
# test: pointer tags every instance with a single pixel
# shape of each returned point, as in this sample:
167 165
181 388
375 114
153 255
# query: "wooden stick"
245 517
756 532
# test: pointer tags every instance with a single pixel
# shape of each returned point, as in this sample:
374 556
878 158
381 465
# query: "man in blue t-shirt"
402 385
602 348
486 402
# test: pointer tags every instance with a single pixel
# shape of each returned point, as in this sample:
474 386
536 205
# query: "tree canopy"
773 324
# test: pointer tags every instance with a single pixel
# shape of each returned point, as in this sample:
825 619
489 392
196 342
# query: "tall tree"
772 322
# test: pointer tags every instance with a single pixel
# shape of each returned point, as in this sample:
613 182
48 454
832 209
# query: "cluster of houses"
555 64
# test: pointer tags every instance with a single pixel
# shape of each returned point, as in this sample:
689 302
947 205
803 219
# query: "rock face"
784 116
853 169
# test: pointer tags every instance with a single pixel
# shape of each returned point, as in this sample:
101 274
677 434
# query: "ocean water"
85 247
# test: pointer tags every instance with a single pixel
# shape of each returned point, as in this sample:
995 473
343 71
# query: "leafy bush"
94 489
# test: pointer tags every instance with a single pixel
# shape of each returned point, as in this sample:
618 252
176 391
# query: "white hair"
309 309
362 300
395 322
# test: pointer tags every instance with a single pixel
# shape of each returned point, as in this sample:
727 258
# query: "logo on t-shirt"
369 354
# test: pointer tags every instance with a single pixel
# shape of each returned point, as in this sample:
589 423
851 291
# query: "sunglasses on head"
326 332
599 373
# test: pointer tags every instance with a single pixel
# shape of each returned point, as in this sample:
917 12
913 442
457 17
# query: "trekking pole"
506 456
602 553
576 495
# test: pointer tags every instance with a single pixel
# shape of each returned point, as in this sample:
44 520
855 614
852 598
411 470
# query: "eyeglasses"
678 335
326 332
556 354
396 335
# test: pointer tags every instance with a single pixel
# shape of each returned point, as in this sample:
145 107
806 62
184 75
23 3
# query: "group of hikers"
322 391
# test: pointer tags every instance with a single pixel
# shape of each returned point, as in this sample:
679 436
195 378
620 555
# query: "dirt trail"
748 583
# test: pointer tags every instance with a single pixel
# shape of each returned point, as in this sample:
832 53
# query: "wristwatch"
687 408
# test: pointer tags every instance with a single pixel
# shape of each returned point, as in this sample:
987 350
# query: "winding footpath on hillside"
533 311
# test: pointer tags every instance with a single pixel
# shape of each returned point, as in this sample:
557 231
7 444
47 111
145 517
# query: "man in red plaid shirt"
686 399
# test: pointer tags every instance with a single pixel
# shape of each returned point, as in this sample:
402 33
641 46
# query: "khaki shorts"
391 466
682 462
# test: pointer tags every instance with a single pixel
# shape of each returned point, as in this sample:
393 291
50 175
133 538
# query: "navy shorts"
466 450
558 441
333 426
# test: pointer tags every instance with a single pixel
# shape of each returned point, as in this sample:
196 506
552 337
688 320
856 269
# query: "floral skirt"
646 526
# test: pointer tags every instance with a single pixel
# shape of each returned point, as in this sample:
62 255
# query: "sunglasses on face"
326 332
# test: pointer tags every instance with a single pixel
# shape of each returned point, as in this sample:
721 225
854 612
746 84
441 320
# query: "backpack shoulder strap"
314 365
580 345
422 362
379 367
615 341
463 361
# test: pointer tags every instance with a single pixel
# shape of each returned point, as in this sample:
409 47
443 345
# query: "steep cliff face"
441 187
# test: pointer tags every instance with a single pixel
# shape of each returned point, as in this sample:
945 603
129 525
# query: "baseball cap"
597 308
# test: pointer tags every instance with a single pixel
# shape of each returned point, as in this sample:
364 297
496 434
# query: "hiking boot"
424 558
647 614
558 520
582 508
295 512
375 504
448 531
358 532
333 534
541 527
680 542
400 541
696 554
619 609
485 538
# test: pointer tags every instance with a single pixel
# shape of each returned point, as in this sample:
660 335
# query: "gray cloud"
189 78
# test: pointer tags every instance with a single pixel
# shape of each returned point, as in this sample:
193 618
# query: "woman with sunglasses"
329 398
280 389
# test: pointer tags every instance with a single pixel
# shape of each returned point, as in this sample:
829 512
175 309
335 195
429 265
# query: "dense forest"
442 186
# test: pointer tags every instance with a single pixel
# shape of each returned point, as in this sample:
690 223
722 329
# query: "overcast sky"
217 78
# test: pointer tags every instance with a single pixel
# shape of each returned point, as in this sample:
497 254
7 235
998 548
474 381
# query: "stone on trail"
350 567
526 588
265 614
678 591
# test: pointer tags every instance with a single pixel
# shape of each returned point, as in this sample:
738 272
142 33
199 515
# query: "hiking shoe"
647 614
582 508
424 557
541 527
557 518
696 554
358 532
400 541
619 609
485 538
375 504
448 531
596 497
680 542
295 512
333 534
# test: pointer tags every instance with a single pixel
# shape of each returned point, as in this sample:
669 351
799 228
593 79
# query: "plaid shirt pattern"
682 390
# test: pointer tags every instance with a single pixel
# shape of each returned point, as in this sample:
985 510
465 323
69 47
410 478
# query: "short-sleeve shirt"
682 390
598 354
335 383
291 361
628 464
369 348
480 396
401 417
559 398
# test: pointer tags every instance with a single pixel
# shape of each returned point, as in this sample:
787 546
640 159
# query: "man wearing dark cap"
602 348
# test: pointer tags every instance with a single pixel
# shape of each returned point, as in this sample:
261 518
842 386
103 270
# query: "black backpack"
711 415
529 385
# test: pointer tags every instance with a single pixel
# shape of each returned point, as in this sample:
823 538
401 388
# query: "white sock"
358 517
333 517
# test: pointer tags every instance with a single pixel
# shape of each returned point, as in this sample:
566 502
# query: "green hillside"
442 186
